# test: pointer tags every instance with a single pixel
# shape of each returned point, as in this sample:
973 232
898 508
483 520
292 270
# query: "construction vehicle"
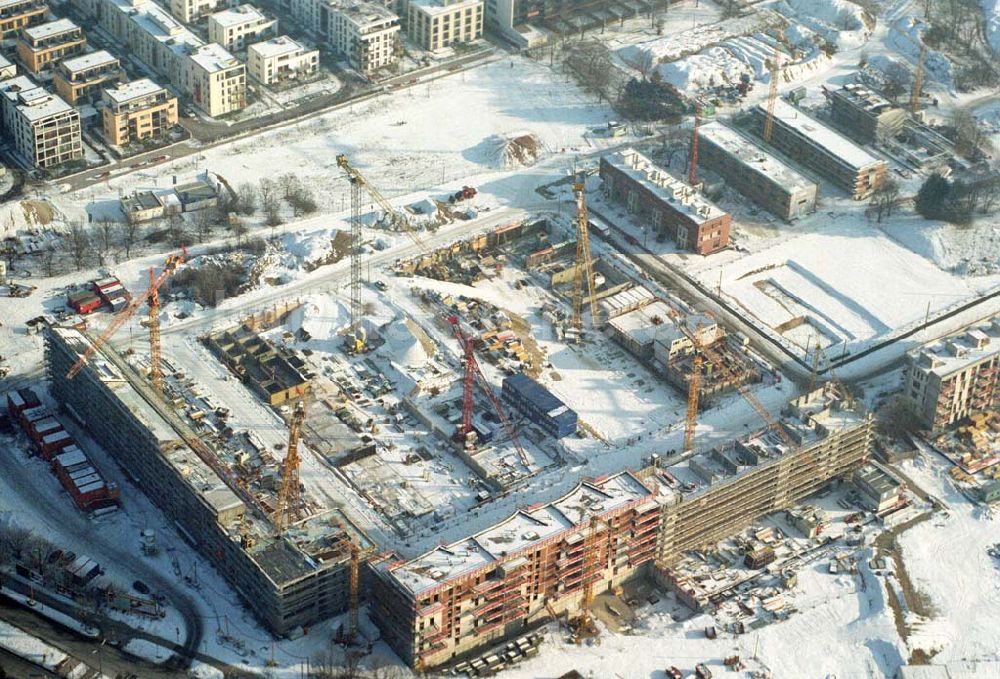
289 496
584 265
466 432
466 193
171 265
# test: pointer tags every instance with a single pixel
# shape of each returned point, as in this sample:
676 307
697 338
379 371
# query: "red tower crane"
472 373
693 163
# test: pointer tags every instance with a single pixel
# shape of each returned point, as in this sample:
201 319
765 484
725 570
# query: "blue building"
539 405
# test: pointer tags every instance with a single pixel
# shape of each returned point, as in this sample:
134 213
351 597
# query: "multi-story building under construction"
290 581
956 377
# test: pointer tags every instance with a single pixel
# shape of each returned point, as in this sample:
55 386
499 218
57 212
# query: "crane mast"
772 95
584 265
289 495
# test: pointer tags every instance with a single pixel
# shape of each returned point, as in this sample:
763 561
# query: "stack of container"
84 301
89 490
539 405
112 292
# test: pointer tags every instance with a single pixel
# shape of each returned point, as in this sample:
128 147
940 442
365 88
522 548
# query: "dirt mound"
519 149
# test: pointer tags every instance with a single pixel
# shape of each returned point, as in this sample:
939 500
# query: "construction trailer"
539 405
667 207
289 581
955 377
822 149
755 173
462 597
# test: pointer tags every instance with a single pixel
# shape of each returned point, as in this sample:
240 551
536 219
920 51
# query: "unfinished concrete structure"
754 172
806 140
954 378
714 382
290 581
269 371
866 116
667 205
469 594
716 493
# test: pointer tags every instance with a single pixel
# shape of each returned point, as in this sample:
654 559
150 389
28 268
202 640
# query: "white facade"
280 59
236 28
45 129
192 10
436 24
365 33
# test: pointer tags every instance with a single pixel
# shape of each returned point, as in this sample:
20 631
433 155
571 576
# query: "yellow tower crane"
772 94
289 495
584 266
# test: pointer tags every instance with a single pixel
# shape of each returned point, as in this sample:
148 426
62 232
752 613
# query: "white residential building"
44 129
280 59
365 33
236 28
436 24
191 10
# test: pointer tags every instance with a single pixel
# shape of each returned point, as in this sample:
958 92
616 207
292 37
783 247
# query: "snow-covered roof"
33 102
214 58
753 158
667 188
130 91
819 134
276 47
957 352
238 16
523 529
645 325
50 29
88 61
435 7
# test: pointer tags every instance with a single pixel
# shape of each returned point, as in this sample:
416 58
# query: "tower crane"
694 390
714 359
584 265
151 294
289 495
918 81
472 373
591 552
772 94
693 162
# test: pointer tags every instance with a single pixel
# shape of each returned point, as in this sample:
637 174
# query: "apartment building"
236 28
207 73
44 129
279 59
190 11
366 34
80 80
514 19
291 581
470 594
829 153
436 24
8 69
19 14
754 172
667 206
137 110
714 494
956 377
864 115
44 45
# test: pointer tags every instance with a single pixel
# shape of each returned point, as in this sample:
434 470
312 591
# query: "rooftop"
364 13
238 16
434 7
820 135
214 57
276 47
645 325
681 197
88 61
32 101
47 30
863 98
754 157
130 91
954 353
522 530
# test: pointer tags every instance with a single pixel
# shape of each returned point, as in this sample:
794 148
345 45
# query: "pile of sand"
519 149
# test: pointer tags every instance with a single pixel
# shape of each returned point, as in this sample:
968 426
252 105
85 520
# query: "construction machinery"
289 495
918 81
583 625
584 265
170 266
472 373
772 94
694 389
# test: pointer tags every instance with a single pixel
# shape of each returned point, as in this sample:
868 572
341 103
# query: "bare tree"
246 199
203 223
289 184
884 198
49 262
79 243
129 233
177 231
105 231
270 201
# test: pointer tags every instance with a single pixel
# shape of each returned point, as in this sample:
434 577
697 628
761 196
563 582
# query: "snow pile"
34 650
518 149
403 343
672 47
840 22
24 215
311 249
731 59
991 10
321 316
147 650
906 36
